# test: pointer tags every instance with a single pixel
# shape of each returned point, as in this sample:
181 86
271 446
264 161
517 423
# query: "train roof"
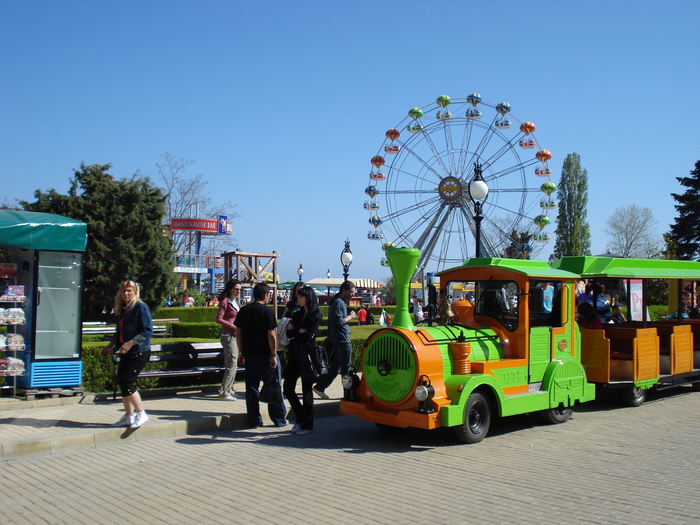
630 268
527 267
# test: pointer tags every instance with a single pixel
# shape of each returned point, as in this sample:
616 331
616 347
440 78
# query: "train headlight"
346 381
351 382
424 393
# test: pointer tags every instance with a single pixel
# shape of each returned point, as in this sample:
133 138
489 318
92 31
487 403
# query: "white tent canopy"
334 282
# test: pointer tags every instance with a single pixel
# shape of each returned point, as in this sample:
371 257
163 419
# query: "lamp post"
346 260
300 271
328 276
478 191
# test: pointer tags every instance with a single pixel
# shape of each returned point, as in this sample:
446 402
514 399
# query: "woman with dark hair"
226 317
132 341
292 304
303 327
587 317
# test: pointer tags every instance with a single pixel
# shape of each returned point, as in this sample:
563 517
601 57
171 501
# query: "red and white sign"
195 225
205 226
8 270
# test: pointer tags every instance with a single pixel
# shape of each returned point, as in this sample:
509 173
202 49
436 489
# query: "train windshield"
496 299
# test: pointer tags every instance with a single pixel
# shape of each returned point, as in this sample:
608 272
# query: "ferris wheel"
448 174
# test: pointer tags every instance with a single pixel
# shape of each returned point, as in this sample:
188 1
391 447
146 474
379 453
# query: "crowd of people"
248 337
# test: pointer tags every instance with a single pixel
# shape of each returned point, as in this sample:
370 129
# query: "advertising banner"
204 226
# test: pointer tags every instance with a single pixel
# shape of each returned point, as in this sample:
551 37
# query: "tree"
186 198
519 240
125 233
389 290
685 232
573 233
631 231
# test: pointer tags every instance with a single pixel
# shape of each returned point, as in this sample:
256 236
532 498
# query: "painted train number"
513 376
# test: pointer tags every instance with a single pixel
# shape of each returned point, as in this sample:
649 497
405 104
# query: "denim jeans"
340 357
256 370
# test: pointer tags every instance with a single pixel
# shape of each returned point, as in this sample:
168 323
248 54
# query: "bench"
188 354
103 329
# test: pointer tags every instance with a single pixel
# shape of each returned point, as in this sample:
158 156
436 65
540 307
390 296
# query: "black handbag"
313 361
271 392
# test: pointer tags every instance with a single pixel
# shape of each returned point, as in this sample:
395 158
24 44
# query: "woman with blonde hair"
132 345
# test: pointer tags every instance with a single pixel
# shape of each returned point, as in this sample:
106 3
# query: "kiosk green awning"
31 230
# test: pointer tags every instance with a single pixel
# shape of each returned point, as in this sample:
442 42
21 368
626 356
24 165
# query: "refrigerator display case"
43 258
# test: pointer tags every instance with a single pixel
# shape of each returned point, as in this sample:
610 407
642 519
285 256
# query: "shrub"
203 314
98 371
198 330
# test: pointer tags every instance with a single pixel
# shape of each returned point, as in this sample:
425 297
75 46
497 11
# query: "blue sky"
282 104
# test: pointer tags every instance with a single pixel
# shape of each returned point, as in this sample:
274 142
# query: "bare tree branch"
632 232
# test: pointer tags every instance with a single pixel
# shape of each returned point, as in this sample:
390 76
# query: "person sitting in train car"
684 313
617 315
601 305
547 295
587 318
587 293
492 304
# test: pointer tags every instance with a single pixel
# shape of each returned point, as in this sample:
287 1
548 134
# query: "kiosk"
42 280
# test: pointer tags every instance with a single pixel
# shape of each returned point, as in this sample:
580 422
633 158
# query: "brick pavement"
607 465
55 426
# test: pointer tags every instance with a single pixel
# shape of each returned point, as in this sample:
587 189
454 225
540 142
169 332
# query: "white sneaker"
224 397
296 428
139 419
303 431
125 421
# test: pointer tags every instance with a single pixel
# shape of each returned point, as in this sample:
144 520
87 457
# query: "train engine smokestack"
402 262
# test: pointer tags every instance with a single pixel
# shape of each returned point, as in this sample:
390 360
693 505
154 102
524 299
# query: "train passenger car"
638 354
509 344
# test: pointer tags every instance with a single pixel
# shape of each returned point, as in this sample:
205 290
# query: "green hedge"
199 330
197 314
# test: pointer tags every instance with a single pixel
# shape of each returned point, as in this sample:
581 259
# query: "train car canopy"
630 268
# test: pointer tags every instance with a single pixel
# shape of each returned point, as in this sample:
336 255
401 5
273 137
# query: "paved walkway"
54 426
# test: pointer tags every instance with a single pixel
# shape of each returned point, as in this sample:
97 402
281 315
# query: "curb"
55 445
43 403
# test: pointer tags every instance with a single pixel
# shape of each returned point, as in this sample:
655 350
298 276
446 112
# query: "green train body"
502 349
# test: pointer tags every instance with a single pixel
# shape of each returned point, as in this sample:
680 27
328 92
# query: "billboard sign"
204 226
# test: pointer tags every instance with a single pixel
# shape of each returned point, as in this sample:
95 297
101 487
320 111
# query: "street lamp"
478 191
346 260
328 276
300 271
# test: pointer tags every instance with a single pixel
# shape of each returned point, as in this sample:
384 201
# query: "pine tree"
125 233
685 232
573 233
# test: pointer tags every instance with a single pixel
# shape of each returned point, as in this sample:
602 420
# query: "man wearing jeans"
337 342
256 332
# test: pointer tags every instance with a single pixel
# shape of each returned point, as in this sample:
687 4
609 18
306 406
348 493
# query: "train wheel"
634 397
477 419
696 387
560 414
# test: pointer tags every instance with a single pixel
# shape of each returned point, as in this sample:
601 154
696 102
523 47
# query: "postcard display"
40 299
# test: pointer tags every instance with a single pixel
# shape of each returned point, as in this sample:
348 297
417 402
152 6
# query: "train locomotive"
507 343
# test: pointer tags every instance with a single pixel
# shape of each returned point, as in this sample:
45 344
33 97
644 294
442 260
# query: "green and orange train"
508 343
